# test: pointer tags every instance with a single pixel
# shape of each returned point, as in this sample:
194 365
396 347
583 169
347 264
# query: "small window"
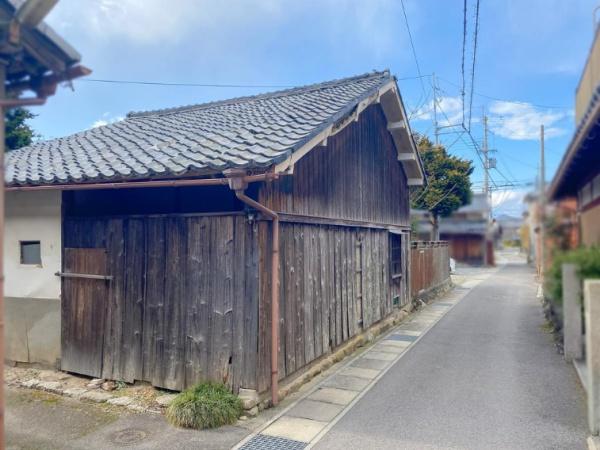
396 255
31 253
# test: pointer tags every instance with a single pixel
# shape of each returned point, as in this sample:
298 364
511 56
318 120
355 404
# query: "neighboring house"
511 227
578 175
466 231
161 230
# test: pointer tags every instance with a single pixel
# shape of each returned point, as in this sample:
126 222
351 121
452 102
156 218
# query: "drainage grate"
264 442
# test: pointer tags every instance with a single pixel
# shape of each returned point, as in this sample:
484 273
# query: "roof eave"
387 95
558 187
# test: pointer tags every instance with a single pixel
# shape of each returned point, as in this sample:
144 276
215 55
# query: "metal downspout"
238 184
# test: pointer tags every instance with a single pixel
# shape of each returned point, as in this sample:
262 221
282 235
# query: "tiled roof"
249 132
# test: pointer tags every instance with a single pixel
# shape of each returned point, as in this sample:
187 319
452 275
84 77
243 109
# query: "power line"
462 67
210 85
491 97
412 45
474 61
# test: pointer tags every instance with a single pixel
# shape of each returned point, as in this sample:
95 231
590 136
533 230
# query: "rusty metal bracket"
88 276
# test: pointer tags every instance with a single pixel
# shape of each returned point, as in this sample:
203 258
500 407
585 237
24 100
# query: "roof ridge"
264 95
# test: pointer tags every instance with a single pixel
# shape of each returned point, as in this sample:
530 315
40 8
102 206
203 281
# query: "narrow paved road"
487 376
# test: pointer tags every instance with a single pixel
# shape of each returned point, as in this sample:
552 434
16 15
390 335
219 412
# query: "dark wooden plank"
299 295
133 309
170 374
316 291
83 311
250 300
197 309
113 334
264 318
308 299
152 347
288 340
221 259
324 288
240 253
338 288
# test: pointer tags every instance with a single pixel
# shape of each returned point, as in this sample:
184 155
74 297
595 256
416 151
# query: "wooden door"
85 289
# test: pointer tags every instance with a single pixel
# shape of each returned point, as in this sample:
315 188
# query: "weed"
206 405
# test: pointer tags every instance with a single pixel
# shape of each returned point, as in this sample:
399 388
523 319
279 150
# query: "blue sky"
529 53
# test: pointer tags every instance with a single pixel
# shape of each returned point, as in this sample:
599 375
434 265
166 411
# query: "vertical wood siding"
334 283
356 176
430 265
182 306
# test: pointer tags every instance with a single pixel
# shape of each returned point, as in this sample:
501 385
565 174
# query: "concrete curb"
593 443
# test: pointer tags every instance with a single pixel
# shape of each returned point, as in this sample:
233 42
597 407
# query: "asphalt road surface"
487 376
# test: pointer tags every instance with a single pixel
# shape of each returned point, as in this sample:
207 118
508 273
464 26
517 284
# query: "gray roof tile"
248 132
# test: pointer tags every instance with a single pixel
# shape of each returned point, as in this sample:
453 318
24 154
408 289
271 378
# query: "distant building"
466 230
511 227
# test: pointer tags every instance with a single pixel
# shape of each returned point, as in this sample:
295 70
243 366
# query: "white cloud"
106 119
149 22
508 202
449 111
522 121
152 21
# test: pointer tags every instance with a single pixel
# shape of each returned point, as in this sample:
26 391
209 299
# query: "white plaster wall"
33 216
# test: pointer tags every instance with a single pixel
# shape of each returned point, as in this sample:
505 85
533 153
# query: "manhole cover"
128 436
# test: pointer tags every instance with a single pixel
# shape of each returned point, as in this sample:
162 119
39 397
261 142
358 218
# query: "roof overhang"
582 157
397 124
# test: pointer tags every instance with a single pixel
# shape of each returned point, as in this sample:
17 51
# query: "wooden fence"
429 265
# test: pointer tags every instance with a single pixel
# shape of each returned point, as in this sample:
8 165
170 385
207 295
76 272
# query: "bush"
586 259
206 405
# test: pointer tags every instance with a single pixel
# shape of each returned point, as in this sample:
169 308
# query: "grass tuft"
205 405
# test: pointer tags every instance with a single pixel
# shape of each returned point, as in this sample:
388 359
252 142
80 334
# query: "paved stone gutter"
133 398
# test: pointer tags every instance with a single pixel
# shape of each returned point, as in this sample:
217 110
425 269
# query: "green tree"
448 182
18 132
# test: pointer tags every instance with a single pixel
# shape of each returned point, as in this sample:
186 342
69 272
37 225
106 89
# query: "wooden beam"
415 181
402 156
400 125
317 220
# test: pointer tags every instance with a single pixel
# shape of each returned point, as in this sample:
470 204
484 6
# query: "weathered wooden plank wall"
335 280
430 265
334 283
357 176
466 248
183 303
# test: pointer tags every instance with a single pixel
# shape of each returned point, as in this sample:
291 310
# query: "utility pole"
542 204
486 166
436 128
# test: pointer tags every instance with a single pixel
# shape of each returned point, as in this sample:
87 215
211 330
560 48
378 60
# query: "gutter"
138 184
238 183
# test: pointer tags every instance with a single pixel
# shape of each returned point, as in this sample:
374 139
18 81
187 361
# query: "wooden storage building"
169 220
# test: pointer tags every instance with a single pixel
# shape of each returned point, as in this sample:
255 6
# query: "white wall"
33 216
